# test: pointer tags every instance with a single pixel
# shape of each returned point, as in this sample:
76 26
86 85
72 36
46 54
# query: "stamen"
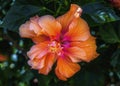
55 47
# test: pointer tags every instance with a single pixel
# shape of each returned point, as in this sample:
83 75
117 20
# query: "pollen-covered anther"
78 12
55 47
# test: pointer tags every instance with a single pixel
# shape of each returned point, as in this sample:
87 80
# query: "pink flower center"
55 47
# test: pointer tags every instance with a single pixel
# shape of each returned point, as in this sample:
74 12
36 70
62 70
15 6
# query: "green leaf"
18 14
108 34
115 60
42 79
27 76
99 13
88 78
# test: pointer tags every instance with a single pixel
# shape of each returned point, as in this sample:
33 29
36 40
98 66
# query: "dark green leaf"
18 14
87 78
115 62
115 59
108 34
98 13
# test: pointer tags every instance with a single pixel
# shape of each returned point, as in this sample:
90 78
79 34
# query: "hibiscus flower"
65 40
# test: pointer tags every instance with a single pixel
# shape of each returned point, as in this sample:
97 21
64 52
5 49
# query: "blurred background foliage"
104 22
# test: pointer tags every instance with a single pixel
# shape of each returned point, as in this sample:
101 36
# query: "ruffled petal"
31 28
38 50
37 63
43 64
25 31
50 25
65 20
89 47
66 68
49 61
76 54
78 31
34 26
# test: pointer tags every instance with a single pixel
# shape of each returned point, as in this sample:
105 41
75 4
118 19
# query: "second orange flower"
65 40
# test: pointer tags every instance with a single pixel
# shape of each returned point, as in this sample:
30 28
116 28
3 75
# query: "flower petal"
89 46
78 30
50 25
66 68
40 38
59 75
38 51
76 54
35 26
25 31
49 61
74 12
37 63
31 28
44 64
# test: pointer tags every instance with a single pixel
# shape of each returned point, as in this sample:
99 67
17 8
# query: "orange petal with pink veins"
66 68
49 61
25 31
38 50
89 47
66 19
35 26
78 30
75 53
31 28
37 63
50 25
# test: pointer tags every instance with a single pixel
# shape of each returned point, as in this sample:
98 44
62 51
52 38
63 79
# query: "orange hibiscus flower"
65 40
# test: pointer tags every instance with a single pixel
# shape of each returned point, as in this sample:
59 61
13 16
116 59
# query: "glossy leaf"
108 34
18 14
115 60
99 13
